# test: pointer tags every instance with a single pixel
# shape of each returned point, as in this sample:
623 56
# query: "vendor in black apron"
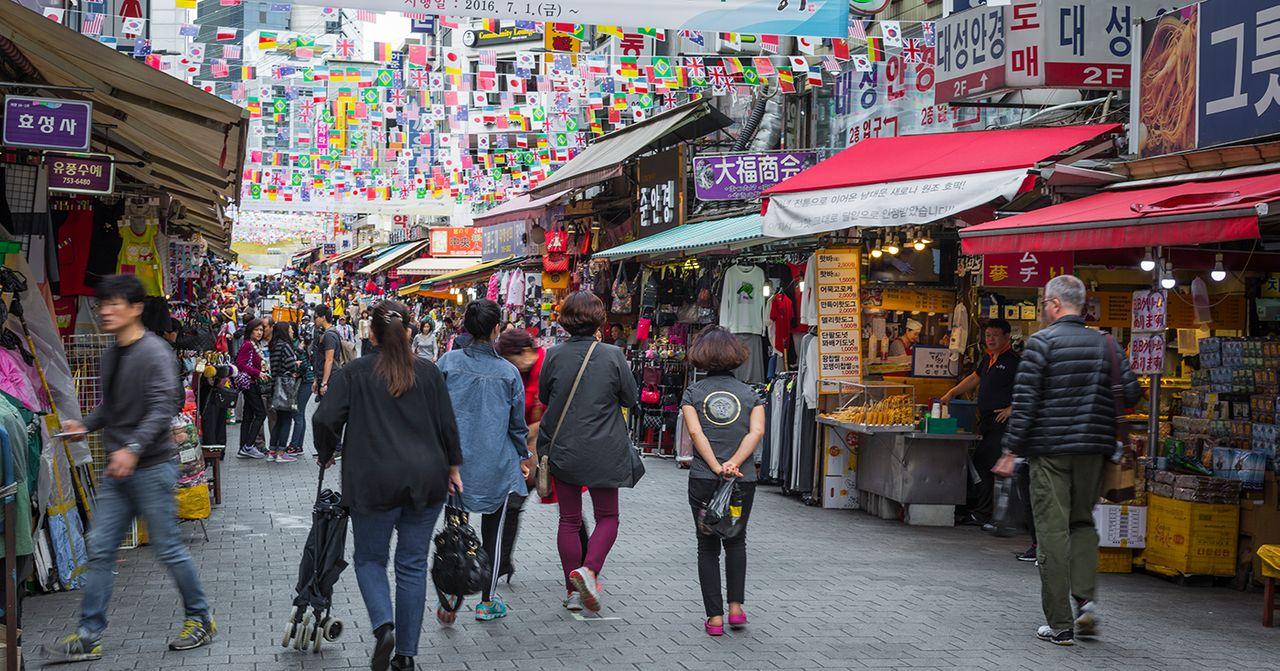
993 379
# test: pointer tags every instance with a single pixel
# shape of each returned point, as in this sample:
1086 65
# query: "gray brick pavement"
826 590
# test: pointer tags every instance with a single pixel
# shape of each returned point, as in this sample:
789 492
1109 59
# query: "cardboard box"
1115 560
1192 538
1121 526
1119 481
840 493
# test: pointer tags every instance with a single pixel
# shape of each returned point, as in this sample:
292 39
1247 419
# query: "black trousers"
735 549
1022 480
981 495
489 524
255 413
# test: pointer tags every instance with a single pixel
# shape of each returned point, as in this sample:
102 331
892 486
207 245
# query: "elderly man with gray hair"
1064 424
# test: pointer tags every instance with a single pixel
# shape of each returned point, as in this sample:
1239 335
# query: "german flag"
875 49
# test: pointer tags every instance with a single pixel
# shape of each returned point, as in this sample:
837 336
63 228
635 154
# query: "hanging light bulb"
919 245
1148 264
767 289
892 248
876 253
1167 280
1218 273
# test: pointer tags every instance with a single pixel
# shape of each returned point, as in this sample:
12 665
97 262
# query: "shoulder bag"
544 464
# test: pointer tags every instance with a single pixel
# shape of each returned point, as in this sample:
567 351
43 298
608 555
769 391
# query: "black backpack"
460 565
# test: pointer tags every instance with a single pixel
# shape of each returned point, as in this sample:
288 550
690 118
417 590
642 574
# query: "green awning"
743 231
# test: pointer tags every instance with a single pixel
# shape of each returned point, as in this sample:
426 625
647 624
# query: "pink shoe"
713 629
737 621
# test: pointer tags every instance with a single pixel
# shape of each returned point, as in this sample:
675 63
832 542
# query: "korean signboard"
970 53
504 35
81 173
1208 75
660 191
934 362
47 123
745 176
815 18
456 241
510 238
839 314
1025 269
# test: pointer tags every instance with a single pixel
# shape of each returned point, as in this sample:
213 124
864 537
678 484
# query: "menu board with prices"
908 299
839 314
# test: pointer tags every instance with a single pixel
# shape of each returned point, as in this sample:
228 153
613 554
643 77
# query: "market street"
826 589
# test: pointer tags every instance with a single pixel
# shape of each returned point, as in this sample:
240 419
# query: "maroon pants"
604 503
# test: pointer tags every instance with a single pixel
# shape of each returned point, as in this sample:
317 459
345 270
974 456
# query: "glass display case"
872 407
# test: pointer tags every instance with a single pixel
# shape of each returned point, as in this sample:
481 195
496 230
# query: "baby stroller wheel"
332 629
315 638
304 632
290 628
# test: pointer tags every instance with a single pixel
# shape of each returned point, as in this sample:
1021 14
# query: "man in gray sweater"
141 394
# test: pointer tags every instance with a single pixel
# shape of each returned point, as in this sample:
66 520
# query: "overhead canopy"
460 275
1177 214
603 159
742 231
393 256
915 179
190 142
351 254
437 265
518 207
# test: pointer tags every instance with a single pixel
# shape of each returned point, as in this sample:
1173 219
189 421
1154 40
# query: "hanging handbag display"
623 293
556 260
543 477
650 395
459 566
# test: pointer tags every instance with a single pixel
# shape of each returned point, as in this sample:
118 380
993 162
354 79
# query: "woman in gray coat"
592 449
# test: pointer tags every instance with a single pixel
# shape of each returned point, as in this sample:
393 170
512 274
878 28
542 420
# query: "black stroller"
321 565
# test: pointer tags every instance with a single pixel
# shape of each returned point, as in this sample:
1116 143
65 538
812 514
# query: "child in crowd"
727 421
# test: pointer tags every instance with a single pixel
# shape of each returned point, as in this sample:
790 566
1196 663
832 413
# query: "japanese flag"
54 14
806 45
517 84
799 65
892 31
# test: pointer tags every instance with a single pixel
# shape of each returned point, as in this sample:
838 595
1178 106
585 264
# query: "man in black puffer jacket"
1064 423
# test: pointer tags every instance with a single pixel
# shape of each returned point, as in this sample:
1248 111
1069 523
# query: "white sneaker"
249 452
1087 619
1064 637
588 588
573 602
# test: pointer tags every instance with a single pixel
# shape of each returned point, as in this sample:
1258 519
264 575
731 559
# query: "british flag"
396 97
305 109
695 68
92 24
719 77
915 51
418 79
346 47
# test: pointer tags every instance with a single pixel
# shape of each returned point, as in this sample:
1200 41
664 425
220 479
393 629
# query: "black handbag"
722 516
460 565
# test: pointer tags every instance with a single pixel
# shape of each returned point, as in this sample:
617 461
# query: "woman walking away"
400 458
584 385
489 397
286 363
250 362
518 347
424 343
726 420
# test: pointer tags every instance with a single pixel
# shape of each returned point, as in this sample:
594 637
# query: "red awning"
518 207
897 159
1187 213
916 179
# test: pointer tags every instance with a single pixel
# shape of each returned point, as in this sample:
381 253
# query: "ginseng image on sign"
1168 105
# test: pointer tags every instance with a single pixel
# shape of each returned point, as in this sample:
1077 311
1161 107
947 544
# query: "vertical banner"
839 314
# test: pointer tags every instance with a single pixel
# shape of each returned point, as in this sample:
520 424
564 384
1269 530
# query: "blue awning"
733 232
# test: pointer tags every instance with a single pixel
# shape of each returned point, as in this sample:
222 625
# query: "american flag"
345 47
366 15
219 70
231 51
92 24
488 57
415 16
857 30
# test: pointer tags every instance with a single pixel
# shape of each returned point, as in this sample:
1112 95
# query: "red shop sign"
456 241
1025 269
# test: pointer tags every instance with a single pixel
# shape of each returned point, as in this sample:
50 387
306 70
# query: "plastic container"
965 413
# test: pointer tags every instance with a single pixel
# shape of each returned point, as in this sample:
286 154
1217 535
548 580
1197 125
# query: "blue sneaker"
491 610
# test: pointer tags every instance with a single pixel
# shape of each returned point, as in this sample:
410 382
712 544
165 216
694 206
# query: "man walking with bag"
1070 387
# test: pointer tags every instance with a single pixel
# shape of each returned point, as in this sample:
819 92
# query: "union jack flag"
915 51
396 97
305 109
695 68
346 47
92 24
418 79
719 77
694 36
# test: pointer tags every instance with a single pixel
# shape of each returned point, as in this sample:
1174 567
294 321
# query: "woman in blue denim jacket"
488 398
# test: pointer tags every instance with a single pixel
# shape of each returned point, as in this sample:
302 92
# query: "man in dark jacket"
1064 423
141 393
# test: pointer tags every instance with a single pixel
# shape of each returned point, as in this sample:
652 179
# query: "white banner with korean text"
917 201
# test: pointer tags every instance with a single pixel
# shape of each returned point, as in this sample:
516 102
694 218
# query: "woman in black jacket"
286 370
392 415
593 449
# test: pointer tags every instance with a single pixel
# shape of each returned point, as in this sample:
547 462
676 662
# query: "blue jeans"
300 422
372 532
148 492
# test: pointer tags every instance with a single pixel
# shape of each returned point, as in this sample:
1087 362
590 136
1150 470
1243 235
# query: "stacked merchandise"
193 487
1194 488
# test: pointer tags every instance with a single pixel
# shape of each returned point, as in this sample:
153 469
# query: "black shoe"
383 645
1064 637
1029 555
990 528
402 663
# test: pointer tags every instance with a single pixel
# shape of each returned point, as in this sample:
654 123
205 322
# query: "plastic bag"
193 502
723 515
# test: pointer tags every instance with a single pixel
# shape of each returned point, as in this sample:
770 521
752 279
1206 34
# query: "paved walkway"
826 590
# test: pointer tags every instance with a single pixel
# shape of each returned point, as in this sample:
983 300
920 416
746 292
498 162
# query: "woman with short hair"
586 442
